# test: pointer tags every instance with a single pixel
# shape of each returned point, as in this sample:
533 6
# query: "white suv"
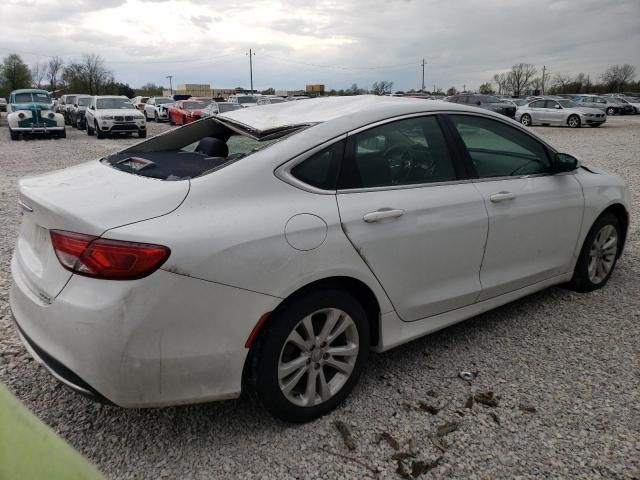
114 114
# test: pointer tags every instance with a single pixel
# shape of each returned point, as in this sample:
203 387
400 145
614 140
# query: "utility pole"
544 69
170 84
251 54
423 64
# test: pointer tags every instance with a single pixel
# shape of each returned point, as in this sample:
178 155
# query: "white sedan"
270 249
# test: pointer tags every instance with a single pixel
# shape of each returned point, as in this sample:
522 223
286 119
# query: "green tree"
451 91
486 89
268 91
14 74
149 90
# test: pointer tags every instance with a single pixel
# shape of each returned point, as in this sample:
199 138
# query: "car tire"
14 135
598 256
611 111
99 133
284 392
90 131
144 113
184 120
142 133
156 118
525 120
573 121
171 122
63 134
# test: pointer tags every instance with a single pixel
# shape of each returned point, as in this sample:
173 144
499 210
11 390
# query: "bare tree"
561 81
96 73
54 69
38 72
501 82
382 87
520 76
617 76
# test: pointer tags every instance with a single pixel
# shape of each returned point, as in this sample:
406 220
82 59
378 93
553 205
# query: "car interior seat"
212 147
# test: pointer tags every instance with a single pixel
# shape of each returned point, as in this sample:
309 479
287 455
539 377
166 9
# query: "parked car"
269 100
297 97
139 102
214 108
516 102
29 112
633 102
559 112
488 102
272 252
185 111
109 114
79 109
153 108
65 106
3 104
609 105
244 100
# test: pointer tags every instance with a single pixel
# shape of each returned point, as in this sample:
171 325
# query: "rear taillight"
104 258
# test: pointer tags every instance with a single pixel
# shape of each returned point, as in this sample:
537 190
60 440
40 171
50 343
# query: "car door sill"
395 331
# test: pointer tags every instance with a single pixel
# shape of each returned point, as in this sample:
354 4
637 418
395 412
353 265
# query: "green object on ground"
31 450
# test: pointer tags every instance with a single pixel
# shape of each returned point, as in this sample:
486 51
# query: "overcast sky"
325 41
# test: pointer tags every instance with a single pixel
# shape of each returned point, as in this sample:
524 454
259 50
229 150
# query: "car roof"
30 90
368 108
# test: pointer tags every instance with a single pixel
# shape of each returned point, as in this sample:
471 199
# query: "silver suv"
610 105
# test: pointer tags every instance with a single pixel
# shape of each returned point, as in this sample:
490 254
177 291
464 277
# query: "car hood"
118 111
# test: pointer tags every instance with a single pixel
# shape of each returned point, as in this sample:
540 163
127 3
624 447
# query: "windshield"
247 99
193 105
227 107
114 103
204 101
84 101
567 103
32 97
160 101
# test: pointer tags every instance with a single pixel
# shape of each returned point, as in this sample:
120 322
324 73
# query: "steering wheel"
402 160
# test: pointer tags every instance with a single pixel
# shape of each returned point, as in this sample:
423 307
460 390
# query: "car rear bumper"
162 340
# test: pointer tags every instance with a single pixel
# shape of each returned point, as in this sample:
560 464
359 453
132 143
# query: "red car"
185 111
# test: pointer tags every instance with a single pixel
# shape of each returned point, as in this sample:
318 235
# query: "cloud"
326 41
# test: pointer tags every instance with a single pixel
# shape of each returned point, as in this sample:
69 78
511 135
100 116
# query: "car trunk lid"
89 198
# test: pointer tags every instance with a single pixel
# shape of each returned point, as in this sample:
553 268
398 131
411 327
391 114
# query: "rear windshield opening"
194 150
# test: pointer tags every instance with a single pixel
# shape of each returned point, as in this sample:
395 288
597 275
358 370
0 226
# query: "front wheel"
14 135
142 133
599 254
611 111
525 120
310 356
99 133
573 121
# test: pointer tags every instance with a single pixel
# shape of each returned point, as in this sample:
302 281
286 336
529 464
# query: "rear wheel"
598 255
310 356
525 120
611 111
573 121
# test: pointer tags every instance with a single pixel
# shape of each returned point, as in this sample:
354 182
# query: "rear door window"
321 169
406 152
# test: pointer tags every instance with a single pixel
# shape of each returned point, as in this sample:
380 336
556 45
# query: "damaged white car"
270 249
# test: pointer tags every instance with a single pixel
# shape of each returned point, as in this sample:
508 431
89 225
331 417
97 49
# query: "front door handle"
502 196
382 214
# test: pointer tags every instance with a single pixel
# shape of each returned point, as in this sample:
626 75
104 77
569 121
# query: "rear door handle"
382 214
502 196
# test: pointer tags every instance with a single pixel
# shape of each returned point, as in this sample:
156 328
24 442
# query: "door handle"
382 214
502 196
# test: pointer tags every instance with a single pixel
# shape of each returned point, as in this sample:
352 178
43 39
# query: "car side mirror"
563 162
557 107
92 107
75 105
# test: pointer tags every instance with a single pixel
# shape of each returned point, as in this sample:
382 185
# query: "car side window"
537 104
499 150
405 152
320 170
550 104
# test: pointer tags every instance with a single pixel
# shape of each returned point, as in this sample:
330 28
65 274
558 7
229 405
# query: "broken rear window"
191 151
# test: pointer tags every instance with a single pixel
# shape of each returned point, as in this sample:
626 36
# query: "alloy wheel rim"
573 122
525 120
602 254
318 357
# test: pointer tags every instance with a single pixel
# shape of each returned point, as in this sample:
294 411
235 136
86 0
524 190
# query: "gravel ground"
563 368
